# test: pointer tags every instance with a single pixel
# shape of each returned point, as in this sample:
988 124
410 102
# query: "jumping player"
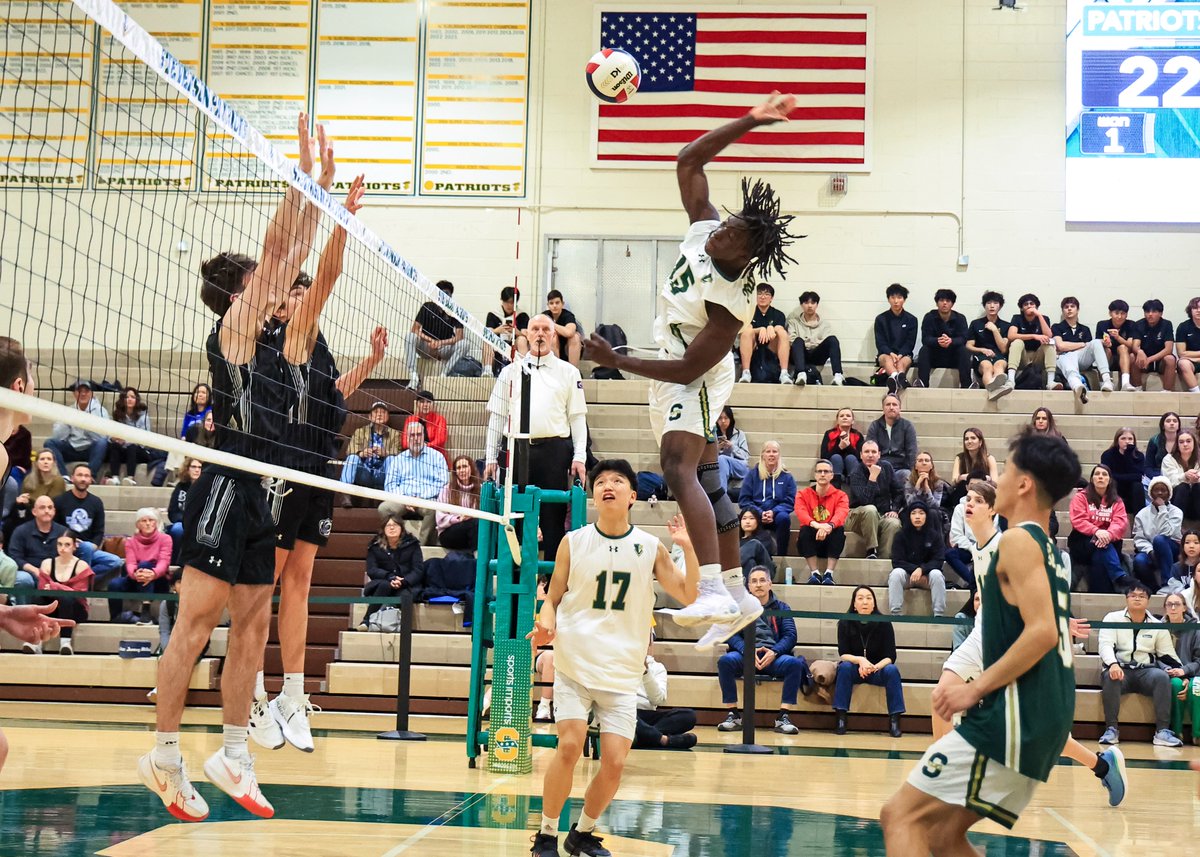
708 298
304 515
966 662
598 607
991 765
228 534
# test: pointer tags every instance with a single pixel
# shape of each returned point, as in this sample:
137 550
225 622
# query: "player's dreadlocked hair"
768 229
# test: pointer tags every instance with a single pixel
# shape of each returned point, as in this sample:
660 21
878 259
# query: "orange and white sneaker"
173 788
236 778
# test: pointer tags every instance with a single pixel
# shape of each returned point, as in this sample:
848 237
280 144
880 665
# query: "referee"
557 424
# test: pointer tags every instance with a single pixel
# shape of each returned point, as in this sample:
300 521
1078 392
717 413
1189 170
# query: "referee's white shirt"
556 398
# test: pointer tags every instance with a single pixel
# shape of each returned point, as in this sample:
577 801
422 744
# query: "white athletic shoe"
31 648
744 378
718 633
713 604
65 647
237 779
292 716
173 788
749 609
1106 386
544 712
263 728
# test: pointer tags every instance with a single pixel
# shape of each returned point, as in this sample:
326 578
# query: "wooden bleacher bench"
95 671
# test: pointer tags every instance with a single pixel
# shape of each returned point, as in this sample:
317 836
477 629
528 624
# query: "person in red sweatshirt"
147 560
821 515
437 433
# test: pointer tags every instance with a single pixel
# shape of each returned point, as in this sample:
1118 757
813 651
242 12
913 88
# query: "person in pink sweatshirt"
1098 523
821 513
147 561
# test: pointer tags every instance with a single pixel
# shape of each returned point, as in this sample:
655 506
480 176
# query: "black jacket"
884 494
924 548
178 498
895 334
405 561
933 327
872 640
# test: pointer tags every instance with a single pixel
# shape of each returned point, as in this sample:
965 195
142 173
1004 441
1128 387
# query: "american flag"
700 69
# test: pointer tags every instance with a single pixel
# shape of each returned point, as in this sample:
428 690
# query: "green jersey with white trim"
1024 726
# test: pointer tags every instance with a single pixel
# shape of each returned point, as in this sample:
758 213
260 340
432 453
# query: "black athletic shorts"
228 531
306 515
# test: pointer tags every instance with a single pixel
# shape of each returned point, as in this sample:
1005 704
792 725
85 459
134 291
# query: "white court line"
1100 852
446 816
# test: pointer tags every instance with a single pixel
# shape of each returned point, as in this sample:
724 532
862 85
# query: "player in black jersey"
228 543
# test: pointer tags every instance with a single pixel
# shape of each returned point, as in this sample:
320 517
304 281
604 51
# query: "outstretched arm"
689 166
352 380
709 348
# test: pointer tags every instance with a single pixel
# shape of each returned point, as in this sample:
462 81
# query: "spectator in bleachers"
918 553
64 572
895 338
510 326
970 611
543 666
1136 661
437 433
661 728
8 571
924 484
1187 346
1184 571
756 546
458 532
394 561
437 335
1163 443
813 343
733 451
979 501
132 411
1030 340
771 490
1157 530
1042 422
775 637
1185 690
43 480
974 462
199 405
1128 467
897 438
875 503
1098 522
147 561
1116 334
203 432
188 474
821 512
867 653
988 346
82 512
1182 469
763 345
370 447
566 328
842 446
944 342
69 443
1153 349
33 542
419 471
751 528
1077 351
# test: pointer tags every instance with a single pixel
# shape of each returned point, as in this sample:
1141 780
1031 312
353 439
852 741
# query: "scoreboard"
1133 111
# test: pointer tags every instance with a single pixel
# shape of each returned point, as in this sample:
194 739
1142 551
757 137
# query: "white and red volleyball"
613 75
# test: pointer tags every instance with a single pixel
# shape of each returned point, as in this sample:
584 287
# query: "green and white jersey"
604 619
693 281
1024 726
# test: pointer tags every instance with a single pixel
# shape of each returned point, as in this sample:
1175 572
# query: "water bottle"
787 575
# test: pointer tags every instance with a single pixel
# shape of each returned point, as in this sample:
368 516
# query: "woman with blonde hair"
771 490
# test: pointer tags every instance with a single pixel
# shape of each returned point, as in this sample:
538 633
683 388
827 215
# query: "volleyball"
612 75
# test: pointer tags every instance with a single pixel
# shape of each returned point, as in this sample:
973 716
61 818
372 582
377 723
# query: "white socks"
166 750
260 689
586 823
293 685
710 571
549 826
1012 375
235 741
1125 382
735 582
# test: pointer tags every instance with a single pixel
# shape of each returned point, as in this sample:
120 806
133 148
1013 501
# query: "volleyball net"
121 174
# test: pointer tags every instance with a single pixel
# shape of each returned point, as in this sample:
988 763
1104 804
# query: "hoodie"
1151 521
781 630
1087 518
776 494
1128 471
812 333
831 509
924 548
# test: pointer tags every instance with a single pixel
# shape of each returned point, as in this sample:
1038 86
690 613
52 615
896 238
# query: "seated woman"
974 462
841 446
757 546
189 473
924 484
1184 572
459 532
394 561
1182 469
204 431
64 573
1128 467
1163 443
42 480
1098 523
130 410
1042 422
866 653
918 554
200 405
733 451
1185 690
147 561
771 490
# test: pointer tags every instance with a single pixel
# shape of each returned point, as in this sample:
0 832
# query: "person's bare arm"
709 348
545 627
352 380
689 166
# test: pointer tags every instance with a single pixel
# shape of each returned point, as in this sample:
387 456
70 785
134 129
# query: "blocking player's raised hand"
328 168
354 196
775 109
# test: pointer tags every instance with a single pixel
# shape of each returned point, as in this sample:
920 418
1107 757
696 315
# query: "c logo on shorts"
934 766
508 744
325 527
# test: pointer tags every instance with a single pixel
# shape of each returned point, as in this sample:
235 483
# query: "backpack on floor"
614 336
1031 377
465 367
